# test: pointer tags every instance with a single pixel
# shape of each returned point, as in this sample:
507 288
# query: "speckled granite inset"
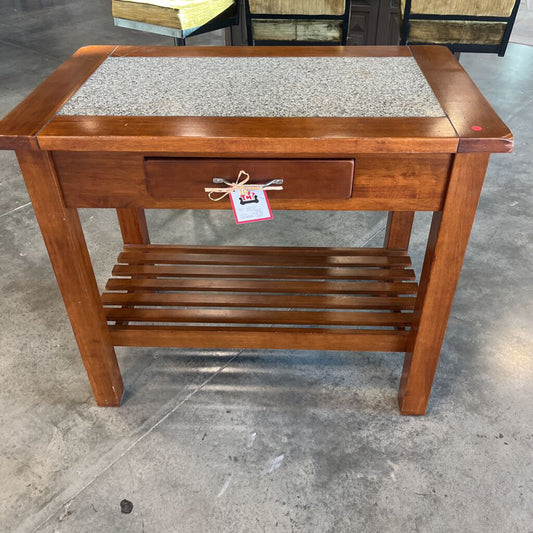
257 87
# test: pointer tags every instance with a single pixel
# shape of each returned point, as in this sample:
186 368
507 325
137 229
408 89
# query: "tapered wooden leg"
448 239
133 226
63 236
398 232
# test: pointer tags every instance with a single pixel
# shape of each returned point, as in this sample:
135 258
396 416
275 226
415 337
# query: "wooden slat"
264 273
259 300
298 251
237 316
169 258
268 286
274 338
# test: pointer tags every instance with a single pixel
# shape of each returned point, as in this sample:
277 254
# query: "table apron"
391 182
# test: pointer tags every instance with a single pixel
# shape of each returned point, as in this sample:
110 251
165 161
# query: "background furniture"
176 18
481 26
371 22
297 21
426 149
374 22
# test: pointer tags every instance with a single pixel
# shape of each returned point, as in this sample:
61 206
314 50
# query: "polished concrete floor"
248 440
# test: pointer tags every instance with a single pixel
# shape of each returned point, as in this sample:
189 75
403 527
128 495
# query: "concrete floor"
263 440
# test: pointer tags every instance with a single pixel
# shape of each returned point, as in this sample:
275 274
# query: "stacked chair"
462 26
285 22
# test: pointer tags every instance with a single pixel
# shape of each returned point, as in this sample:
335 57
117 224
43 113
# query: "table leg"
65 242
447 242
133 226
398 232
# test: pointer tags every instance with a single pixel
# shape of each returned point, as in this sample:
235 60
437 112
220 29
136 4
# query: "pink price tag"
250 206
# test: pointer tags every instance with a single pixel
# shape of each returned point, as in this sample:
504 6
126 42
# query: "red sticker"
477 128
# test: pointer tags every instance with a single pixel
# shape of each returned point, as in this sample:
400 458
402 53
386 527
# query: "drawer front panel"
168 178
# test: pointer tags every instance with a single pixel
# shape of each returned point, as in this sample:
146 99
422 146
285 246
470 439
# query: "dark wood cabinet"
372 22
388 31
363 22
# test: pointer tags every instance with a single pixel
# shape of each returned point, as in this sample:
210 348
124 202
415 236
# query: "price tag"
250 206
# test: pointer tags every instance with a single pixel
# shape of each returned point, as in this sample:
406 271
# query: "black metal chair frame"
460 47
345 18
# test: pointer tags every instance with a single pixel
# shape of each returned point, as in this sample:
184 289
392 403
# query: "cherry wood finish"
18 128
241 338
398 231
259 300
63 236
147 284
255 51
341 292
448 80
381 182
237 297
448 238
171 177
133 226
250 137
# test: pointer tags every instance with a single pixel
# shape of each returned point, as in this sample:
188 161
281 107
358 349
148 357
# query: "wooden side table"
400 129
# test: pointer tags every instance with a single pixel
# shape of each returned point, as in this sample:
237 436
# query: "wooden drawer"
177 178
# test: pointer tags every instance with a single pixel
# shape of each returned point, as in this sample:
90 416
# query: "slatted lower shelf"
261 297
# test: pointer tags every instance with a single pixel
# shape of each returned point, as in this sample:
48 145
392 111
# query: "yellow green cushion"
297 30
181 14
487 8
455 32
297 7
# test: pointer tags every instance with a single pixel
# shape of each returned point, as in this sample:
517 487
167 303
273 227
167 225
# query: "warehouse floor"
251 440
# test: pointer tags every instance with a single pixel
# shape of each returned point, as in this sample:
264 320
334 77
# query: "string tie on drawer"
239 185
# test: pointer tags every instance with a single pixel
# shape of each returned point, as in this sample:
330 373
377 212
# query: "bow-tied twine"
238 185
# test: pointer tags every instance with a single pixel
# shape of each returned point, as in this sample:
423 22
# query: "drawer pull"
231 187
277 181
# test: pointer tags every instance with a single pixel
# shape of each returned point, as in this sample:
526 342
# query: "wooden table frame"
402 165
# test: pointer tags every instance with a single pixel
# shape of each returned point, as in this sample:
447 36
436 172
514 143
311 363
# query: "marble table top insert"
256 87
